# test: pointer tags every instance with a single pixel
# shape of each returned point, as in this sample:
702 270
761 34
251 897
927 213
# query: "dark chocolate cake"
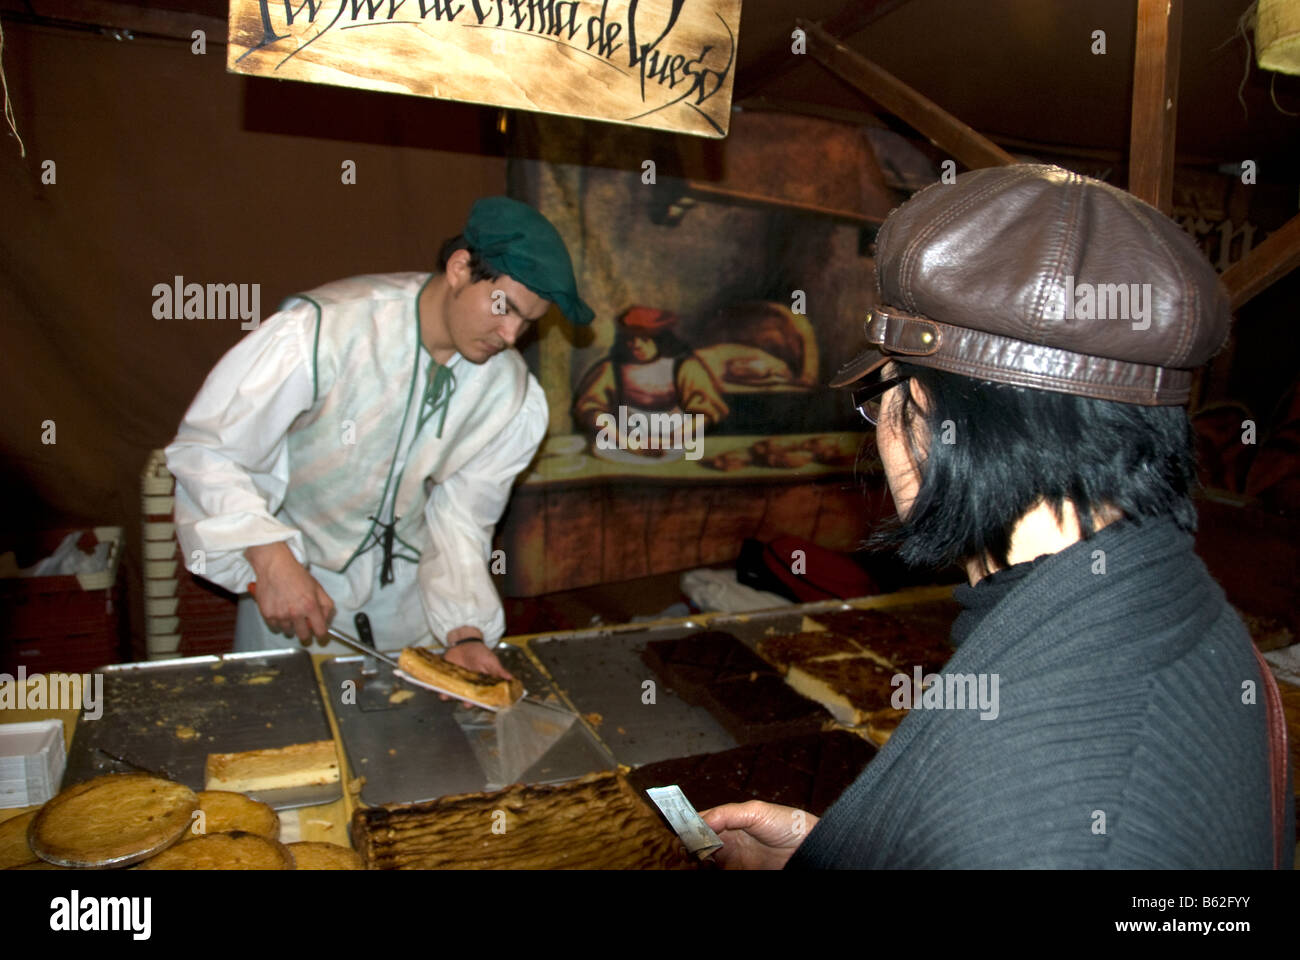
905 636
764 708
690 664
808 772
782 651
861 682
744 693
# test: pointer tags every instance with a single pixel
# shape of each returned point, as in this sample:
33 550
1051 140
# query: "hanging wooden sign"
667 64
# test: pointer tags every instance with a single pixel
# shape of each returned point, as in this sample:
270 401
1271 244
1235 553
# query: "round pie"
225 811
112 820
14 849
223 851
310 855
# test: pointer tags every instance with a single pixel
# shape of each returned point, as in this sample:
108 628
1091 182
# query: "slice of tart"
424 665
299 765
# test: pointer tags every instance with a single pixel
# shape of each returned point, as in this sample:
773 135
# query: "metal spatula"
508 742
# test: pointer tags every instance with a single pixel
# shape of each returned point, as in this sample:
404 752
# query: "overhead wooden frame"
1273 259
964 143
855 17
1155 102
109 14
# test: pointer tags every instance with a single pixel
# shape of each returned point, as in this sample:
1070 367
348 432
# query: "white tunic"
307 428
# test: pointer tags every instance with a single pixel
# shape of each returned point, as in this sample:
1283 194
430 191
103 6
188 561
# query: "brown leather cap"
1033 275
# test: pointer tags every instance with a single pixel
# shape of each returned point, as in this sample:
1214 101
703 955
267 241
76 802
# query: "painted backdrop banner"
665 64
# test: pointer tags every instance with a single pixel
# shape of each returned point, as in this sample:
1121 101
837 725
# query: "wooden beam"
125 16
968 146
1273 259
854 17
703 189
1155 102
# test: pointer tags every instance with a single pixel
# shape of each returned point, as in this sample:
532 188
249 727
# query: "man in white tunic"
354 453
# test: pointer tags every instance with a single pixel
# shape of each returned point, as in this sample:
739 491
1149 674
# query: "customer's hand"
288 597
757 835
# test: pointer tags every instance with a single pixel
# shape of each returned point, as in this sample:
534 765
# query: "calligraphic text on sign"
666 64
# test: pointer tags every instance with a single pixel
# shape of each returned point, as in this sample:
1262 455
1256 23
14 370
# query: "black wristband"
468 640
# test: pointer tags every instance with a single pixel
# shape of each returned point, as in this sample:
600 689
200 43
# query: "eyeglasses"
867 399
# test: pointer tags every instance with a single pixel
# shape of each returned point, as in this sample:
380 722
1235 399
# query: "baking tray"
601 673
416 750
166 716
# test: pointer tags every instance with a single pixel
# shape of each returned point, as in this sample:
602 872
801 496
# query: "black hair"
996 450
478 270
666 342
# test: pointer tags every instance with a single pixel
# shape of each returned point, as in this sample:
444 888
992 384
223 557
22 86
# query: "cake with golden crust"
313 855
424 665
223 851
114 820
299 765
597 822
225 810
14 849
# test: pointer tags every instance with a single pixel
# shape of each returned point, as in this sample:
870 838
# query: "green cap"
514 239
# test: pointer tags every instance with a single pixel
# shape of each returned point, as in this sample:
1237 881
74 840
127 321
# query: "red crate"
72 623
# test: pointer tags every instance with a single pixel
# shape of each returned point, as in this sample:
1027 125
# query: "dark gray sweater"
1121 738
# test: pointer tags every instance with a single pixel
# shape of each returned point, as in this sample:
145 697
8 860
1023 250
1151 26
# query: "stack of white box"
162 622
31 762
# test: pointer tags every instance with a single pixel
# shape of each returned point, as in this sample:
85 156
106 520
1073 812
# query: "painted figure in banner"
354 453
649 370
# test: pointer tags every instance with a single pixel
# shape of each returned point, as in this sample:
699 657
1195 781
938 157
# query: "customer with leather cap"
1028 362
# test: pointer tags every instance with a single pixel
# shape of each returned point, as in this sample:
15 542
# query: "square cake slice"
689 664
903 637
851 688
300 765
807 772
428 667
785 651
764 708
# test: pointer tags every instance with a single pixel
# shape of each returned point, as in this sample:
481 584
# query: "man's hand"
757 835
473 654
289 598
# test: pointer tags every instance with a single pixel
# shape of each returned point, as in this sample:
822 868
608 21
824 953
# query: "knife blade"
360 647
